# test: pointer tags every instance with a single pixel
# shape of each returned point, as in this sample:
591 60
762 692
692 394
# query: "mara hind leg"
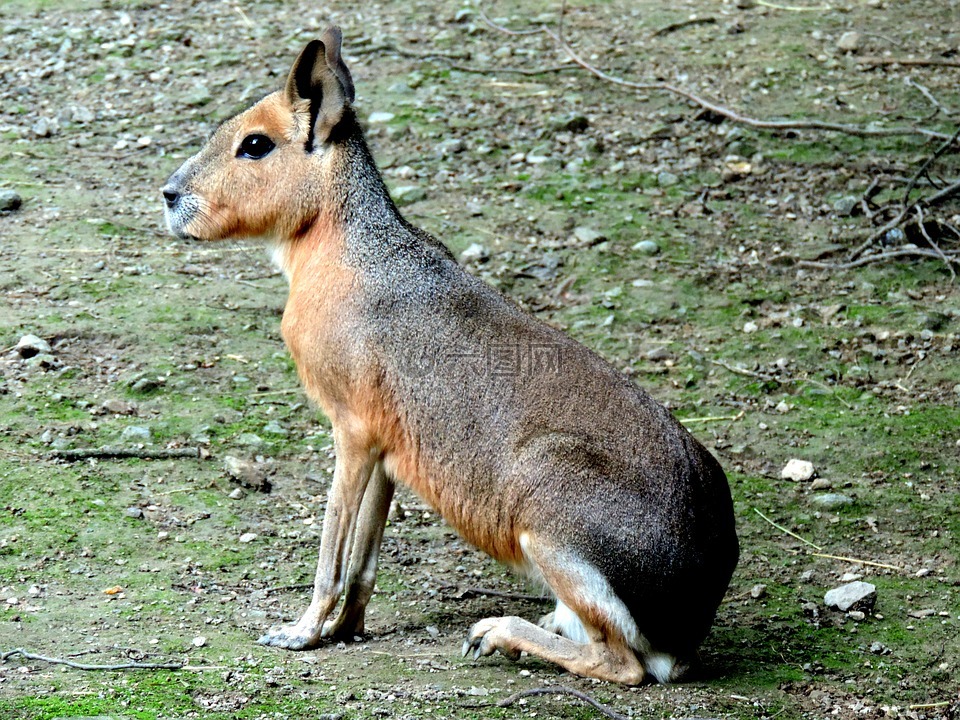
362 574
602 640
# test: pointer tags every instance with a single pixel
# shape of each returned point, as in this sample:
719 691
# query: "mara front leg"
355 463
362 575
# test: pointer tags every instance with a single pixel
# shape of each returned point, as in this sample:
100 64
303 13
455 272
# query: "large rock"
852 596
797 470
30 345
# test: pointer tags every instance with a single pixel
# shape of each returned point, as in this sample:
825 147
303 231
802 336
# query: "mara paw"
290 637
489 636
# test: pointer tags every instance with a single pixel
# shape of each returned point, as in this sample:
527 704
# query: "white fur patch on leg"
568 624
593 587
660 665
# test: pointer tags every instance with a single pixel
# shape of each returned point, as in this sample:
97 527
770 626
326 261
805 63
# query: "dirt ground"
679 246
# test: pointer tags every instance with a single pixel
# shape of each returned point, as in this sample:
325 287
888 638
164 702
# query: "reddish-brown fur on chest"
351 388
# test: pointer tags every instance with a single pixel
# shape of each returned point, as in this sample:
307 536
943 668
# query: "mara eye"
255 147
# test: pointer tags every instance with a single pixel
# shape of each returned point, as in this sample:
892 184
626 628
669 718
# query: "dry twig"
560 40
488 592
914 62
104 453
86 666
604 710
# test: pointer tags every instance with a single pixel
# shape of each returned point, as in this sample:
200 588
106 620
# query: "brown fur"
561 468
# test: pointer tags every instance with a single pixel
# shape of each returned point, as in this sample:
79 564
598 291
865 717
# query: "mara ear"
320 77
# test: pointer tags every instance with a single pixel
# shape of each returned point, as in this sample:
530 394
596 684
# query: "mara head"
259 174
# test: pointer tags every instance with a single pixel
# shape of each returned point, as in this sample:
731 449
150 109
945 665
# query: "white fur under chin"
279 254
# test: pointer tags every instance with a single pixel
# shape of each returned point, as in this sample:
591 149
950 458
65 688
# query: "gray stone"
450 147
846 205
647 247
9 201
45 127
659 354
849 41
145 384
198 97
134 512
120 407
136 433
475 253
667 179
852 596
44 361
274 428
248 474
30 345
588 236
406 194
832 500
249 438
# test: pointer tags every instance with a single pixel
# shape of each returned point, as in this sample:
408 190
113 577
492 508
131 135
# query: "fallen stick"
563 690
714 107
857 561
488 592
104 453
915 62
86 666
788 532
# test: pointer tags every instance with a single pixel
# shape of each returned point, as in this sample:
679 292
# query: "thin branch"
793 8
488 592
788 532
86 666
925 91
713 107
915 62
921 223
510 70
143 453
738 370
938 153
604 710
390 48
879 257
713 418
944 194
857 561
673 27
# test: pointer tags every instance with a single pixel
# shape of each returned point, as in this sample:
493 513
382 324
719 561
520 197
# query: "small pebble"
248 537
647 247
133 512
475 253
588 236
9 201
832 500
667 179
849 41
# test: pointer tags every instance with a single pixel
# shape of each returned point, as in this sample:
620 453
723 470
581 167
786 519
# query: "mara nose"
170 196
